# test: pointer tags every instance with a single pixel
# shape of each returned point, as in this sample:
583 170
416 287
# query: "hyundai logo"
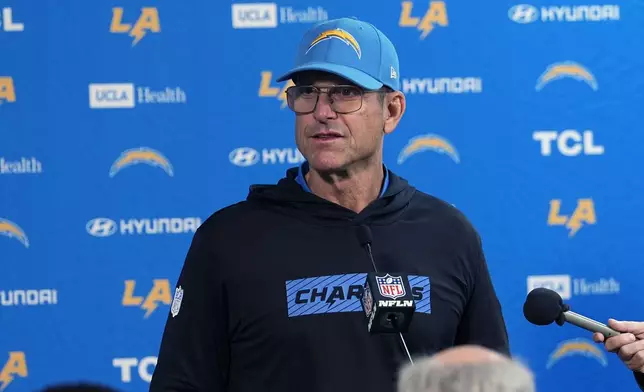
523 13
101 227
244 156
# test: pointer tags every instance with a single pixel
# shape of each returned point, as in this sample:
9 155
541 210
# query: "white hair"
429 375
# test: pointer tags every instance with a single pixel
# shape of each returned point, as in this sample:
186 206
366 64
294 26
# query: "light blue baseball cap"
350 48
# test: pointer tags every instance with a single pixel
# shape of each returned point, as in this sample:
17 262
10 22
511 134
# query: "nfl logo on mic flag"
390 286
388 303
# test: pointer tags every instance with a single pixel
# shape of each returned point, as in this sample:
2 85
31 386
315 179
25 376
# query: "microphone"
544 306
365 238
387 300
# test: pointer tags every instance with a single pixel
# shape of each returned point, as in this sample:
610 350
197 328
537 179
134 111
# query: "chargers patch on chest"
342 293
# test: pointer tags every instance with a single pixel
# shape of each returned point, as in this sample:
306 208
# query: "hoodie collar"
304 168
289 197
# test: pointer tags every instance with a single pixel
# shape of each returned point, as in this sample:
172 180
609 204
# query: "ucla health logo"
567 286
141 155
266 15
22 165
566 70
12 230
248 156
428 142
127 95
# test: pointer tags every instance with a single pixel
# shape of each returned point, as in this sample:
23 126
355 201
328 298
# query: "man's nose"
323 109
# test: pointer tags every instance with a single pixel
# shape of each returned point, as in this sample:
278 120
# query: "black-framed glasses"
342 98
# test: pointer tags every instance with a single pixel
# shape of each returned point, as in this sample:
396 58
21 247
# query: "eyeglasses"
343 98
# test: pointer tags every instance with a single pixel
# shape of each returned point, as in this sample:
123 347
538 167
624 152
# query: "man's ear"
395 105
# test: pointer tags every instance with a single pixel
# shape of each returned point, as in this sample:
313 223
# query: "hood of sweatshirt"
288 197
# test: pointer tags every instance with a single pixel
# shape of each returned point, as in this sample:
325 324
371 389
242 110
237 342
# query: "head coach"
268 296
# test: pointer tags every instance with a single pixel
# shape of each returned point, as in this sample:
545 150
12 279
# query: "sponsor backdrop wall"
123 126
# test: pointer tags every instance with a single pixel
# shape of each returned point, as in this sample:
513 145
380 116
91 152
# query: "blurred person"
466 368
235 325
629 345
78 387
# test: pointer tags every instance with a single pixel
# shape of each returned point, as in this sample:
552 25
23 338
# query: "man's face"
331 141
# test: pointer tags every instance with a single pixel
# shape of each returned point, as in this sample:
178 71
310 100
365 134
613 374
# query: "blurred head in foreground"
466 369
78 387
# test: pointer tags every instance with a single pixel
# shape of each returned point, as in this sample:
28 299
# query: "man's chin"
327 164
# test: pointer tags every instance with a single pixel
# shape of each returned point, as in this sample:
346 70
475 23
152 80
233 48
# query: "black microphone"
387 300
365 238
544 306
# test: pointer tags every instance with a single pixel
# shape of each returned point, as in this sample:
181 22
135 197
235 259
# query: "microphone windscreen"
542 306
364 235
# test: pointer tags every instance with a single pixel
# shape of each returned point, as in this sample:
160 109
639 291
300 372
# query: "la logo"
148 21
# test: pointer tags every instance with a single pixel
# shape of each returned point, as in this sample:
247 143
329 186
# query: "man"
269 296
466 369
629 345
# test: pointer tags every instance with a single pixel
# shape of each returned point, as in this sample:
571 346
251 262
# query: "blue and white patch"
342 293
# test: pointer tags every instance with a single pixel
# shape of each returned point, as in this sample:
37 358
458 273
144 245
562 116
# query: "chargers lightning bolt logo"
141 155
159 294
566 69
339 34
15 366
12 230
574 347
147 22
429 142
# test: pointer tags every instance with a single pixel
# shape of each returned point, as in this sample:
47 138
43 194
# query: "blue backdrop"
124 125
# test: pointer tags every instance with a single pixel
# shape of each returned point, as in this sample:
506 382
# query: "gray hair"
428 375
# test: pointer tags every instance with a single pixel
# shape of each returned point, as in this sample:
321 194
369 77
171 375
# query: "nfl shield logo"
176 302
390 286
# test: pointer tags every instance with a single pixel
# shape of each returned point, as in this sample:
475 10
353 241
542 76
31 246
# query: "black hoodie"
268 297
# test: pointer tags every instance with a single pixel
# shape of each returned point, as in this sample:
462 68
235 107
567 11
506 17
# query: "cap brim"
358 77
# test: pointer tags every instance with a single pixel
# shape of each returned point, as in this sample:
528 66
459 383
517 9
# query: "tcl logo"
145 368
101 227
570 142
8 24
